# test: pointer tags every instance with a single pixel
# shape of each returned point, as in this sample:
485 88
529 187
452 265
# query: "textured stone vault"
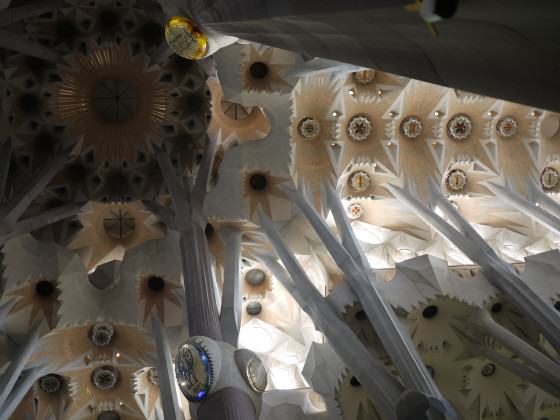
86 235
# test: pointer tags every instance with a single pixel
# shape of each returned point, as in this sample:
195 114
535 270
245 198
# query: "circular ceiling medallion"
364 77
51 383
430 311
119 223
105 378
108 415
309 128
114 100
185 38
258 70
153 376
456 179
411 127
258 182
101 334
156 283
254 308
459 127
549 178
507 127
193 371
44 288
488 369
354 211
360 181
550 125
252 369
359 128
255 277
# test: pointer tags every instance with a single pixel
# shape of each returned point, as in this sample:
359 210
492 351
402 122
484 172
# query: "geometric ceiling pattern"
319 166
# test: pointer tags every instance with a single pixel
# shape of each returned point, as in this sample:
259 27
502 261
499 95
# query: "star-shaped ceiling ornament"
312 128
263 69
52 404
110 95
111 229
87 398
42 296
155 290
260 188
353 400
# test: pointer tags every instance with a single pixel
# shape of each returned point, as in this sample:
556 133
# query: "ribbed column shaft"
227 404
202 311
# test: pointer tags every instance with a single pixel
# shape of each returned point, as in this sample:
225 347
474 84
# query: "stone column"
18 363
202 311
372 374
227 403
502 275
350 259
20 391
230 315
168 390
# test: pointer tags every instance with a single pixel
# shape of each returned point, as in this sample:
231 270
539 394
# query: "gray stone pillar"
227 404
202 311
540 215
547 368
230 315
372 374
18 363
20 391
502 275
361 279
168 390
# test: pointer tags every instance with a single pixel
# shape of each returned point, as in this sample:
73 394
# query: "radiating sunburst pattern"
353 400
313 99
260 188
155 290
51 404
67 345
42 296
256 282
87 398
262 69
110 229
114 101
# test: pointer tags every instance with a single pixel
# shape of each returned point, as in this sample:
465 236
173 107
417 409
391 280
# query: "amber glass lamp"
185 38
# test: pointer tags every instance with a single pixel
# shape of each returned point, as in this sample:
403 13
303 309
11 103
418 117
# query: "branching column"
188 219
